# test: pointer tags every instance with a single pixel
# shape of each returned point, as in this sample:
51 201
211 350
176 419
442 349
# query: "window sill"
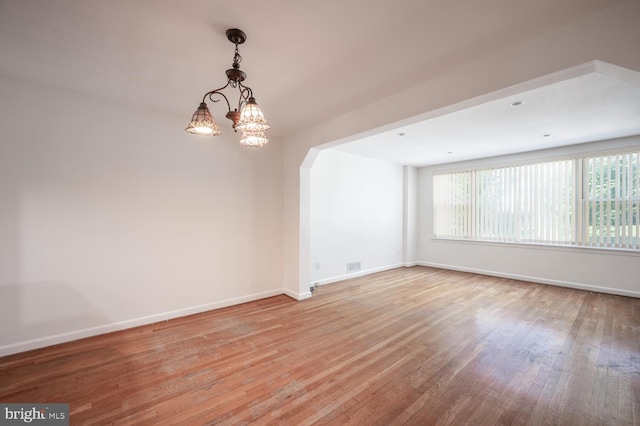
540 246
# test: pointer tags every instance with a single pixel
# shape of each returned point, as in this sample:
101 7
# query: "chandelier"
247 117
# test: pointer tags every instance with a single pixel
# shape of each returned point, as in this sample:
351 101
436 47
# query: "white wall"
356 215
111 216
612 271
610 35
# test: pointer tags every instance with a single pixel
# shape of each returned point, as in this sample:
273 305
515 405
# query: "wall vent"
353 267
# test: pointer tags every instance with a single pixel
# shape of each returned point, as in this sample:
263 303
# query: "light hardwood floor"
414 346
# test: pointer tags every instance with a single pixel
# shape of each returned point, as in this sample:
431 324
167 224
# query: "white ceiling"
306 61
594 106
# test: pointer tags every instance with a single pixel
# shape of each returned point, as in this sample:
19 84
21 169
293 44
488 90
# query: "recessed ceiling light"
516 103
401 134
546 135
450 152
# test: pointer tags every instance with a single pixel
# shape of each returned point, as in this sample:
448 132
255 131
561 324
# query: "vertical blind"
530 203
611 201
590 201
452 205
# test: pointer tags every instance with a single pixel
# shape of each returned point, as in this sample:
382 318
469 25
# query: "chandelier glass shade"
252 119
202 123
247 117
253 138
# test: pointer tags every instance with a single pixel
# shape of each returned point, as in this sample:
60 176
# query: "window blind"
529 203
452 205
592 201
610 201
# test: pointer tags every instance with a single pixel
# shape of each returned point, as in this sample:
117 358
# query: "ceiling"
330 57
592 107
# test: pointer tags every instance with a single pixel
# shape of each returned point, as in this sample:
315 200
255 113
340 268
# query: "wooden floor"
414 346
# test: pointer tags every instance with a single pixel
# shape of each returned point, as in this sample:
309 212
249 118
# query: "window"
590 202
611 200
452 205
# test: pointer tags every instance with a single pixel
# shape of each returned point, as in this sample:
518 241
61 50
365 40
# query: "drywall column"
410 216
305 251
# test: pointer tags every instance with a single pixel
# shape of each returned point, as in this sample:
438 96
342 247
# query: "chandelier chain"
237 58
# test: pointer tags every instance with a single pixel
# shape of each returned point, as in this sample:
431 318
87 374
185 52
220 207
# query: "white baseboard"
122 325
538 280
409 264
355 274
297 296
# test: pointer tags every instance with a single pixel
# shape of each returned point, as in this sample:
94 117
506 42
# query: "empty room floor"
414 346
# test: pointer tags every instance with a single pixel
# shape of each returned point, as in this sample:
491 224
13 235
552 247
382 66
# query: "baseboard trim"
339 278
41 342
538 280
297 296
